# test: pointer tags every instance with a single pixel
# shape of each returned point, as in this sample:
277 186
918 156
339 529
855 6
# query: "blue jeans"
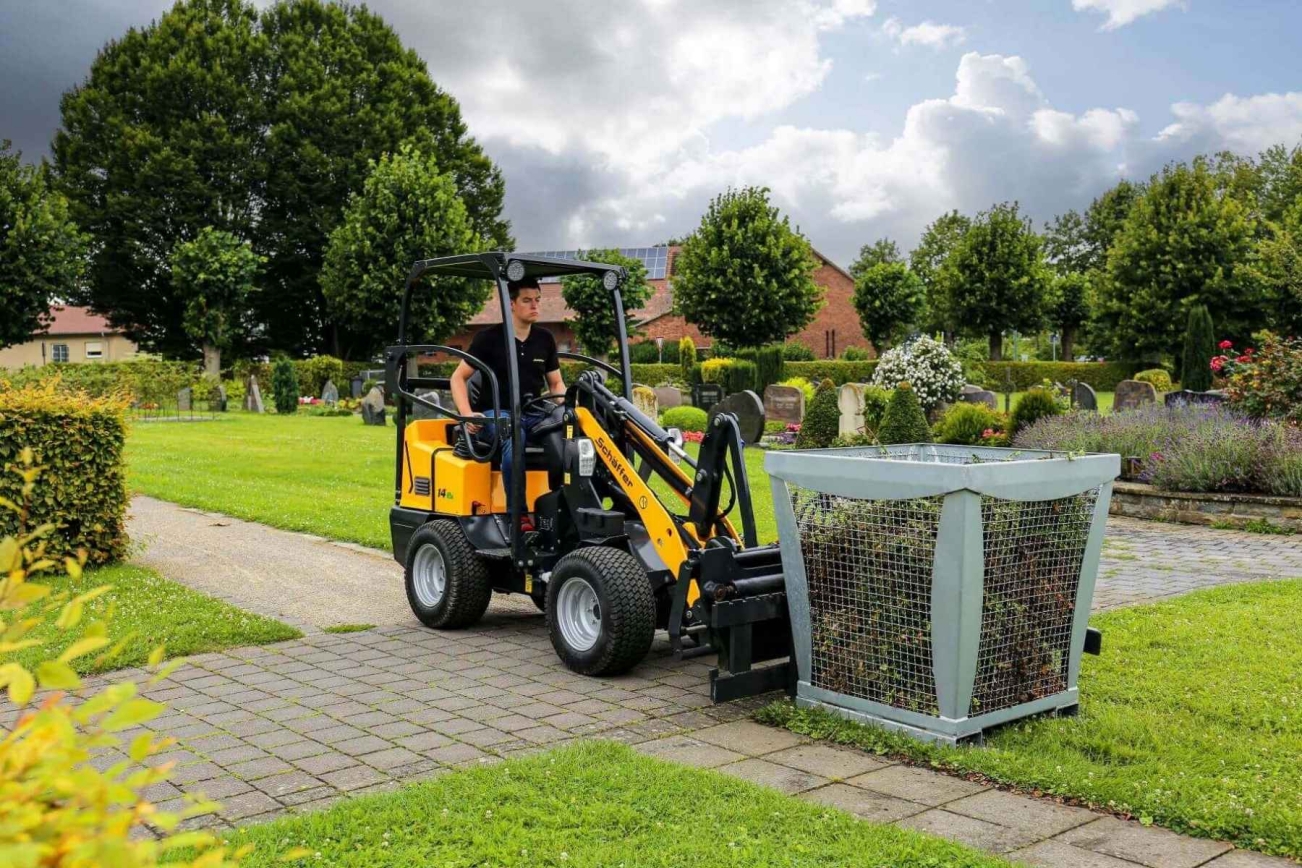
528 422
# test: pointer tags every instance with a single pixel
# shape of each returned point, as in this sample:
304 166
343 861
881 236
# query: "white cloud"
928 33
1243 124
1122 12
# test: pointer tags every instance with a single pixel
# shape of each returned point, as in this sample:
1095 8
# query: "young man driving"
539 367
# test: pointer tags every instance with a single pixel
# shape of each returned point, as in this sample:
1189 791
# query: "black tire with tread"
468 586
628 610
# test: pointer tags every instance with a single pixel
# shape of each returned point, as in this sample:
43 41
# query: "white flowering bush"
926 365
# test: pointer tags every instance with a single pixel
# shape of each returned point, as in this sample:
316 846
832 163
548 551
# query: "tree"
407 210
938 240
1277 268
1280 184
42 254
1070 306
889 298
995 278
341 91
1199 347
261 125
745 277
1066 247
158 142
214 274
1182 244
884 250
1104 219
595 326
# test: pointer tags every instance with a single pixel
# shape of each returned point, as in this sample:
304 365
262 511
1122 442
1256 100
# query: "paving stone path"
297 725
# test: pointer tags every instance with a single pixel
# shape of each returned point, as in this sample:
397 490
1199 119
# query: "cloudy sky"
615 122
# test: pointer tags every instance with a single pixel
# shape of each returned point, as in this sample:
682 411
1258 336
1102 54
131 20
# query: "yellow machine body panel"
434 478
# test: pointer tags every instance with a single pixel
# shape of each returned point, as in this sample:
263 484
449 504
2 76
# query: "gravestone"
330 393
355 387
749 410
784 403
373 407
184 400
1131 394
253 396
1085 399
669 396
220 398
1185 396
849 399
420 411
706 395
977 395
645 400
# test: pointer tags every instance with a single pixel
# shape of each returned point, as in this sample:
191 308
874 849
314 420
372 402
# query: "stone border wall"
1136 500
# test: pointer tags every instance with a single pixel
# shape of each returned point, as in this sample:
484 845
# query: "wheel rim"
578 613
429 576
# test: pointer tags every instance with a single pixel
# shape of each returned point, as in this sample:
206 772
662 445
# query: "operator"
538 364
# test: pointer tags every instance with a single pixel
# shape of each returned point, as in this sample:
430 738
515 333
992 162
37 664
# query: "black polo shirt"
535 356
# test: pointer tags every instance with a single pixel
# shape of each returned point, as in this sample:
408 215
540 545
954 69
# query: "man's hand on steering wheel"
529 401
473 428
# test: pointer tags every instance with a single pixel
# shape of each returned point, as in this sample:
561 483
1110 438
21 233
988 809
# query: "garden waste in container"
939 590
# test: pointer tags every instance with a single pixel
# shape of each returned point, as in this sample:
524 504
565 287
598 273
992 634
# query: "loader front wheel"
447 583
601 613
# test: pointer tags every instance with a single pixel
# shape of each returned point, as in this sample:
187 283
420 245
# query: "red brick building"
835 326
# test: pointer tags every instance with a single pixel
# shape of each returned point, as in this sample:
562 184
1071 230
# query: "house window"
94 350
60 353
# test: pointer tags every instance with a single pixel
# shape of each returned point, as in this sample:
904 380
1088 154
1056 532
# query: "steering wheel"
530 401
472 440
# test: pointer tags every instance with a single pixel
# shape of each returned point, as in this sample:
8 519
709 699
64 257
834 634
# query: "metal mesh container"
939 590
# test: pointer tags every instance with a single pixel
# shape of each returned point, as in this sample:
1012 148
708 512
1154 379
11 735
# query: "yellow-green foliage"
1160 379
56 808
715 370
78 439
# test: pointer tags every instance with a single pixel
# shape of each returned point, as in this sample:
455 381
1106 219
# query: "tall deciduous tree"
161 140
42 254
1066 247
1104 219
214 275
745 277
938 240
995 278
340 91
1069 308
407 210
883 250
595 326
888 298
1277 268
1182 244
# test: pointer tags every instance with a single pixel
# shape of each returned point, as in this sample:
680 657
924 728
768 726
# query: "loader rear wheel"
447 584
601 613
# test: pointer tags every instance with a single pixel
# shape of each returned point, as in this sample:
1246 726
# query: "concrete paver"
983 835
1145 845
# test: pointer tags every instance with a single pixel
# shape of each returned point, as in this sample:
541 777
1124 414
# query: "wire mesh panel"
1033 553
869 570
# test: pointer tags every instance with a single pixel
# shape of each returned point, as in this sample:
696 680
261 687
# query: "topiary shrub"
1199 348
854 354
684 419
904 421
714 370
739 376
78 440
1160 379
795 351
967 424
822 422
769 366
1034 405
875 400
284 385
687 357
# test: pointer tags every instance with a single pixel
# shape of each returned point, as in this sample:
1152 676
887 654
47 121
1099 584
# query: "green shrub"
713 370
684 419
1199 348
234 393
143 380
1160 379
78 440
1034 405
966 424
647 353
860 439
803 385
769 366
284 385
686 357
904 421
1103 376
739 376
795 351
696 375
875 401
854 354
822 420
312 374
839 373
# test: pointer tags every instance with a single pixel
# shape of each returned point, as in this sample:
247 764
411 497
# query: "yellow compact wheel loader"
607 560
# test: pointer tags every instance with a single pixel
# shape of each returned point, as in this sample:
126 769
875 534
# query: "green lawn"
154 611
592 804
1190 719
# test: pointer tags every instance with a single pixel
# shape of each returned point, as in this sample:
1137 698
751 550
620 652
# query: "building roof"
78 321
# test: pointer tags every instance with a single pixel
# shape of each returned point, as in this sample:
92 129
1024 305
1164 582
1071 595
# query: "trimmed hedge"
839 373
142 380
647 375
77 440
1103 376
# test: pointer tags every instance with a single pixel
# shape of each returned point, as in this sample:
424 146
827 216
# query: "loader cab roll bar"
501 268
